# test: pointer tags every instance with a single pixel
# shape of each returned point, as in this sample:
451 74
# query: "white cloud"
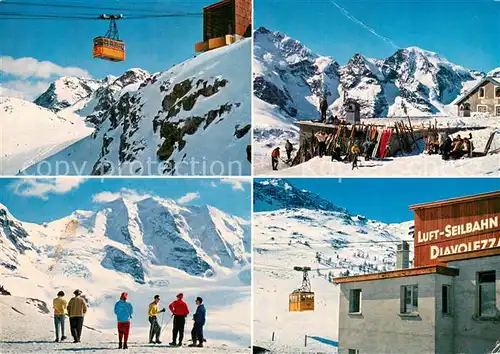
238 184
42 187
130 194
31 67
189 197
23 89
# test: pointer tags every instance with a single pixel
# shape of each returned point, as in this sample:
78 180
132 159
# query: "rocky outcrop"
67 91
116 259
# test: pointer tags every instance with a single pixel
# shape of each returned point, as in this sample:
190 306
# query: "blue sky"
387 199
465 32
153 44
40 200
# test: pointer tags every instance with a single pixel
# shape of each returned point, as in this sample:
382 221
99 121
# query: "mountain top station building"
449 303
482 98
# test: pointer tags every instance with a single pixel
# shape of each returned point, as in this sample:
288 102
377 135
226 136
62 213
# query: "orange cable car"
302 299
110 47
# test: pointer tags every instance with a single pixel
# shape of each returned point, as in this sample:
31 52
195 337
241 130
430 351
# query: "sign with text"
435 238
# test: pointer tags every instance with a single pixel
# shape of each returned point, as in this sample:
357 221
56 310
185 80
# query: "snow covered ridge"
193 119
131 237
274 194
290 76
66 91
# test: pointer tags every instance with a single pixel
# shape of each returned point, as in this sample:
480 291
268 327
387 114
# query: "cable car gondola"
302 299
109 46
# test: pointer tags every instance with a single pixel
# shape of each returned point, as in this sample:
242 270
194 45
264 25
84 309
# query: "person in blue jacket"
123 311
199 321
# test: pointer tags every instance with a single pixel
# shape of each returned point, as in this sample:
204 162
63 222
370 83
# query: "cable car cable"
24 16
71 6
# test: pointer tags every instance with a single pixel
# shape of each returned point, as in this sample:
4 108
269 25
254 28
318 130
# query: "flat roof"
400 273
220 3
471 198
470 255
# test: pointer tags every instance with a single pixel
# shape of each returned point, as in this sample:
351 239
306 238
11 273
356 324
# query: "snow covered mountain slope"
332 243
129 235
193 119
30 133
142 246
66 91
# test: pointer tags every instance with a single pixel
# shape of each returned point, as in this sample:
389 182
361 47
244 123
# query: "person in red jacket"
180 311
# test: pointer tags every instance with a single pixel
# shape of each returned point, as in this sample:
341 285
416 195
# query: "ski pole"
166 324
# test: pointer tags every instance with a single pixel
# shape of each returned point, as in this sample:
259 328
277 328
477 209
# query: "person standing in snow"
323 106
288 149
321 137
77 308
59 305
153 312
199 321
123 311
275 155
355 153
180 311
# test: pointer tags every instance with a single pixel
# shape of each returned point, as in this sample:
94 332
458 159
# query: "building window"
353 351
446 299
355 301
482 92
409 298
482 109
497 92
487 294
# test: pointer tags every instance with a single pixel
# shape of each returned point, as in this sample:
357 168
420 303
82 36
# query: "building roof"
401 273
474 89
491 252
471 198
217 4
351 101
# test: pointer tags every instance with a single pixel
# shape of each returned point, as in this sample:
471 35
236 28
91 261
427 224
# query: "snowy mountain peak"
495 73
424 52
130 233
289 48
67 91
274 194
411 81
131 76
